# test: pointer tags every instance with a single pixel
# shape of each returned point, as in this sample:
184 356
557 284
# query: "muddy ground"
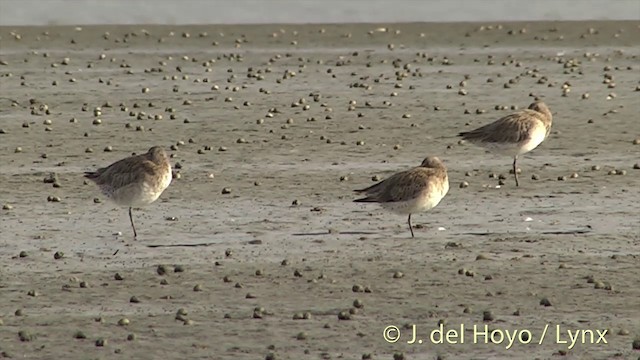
291 119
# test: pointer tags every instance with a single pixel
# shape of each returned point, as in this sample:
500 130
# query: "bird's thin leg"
410 227
135 235
515 169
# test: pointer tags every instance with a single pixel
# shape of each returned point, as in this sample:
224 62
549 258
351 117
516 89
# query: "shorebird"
514 134
136 180
408 192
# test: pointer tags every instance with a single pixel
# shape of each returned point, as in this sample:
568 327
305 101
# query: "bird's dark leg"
515 169
135 235
410 227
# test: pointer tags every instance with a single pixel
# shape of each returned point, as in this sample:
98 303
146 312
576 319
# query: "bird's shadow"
338 233
181 245
155 246
553 232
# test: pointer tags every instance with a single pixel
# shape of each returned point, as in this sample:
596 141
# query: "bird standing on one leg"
135 181
411 191
514 134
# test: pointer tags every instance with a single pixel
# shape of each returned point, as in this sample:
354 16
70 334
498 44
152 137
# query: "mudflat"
256 250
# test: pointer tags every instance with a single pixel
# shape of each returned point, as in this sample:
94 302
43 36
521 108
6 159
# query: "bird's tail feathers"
91 174
366 199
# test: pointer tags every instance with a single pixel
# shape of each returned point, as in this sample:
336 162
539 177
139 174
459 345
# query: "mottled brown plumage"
514 134
411 191
136 180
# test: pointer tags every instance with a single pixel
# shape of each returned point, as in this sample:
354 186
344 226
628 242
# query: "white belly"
537 137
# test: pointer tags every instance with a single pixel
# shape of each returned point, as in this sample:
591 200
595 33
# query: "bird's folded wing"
121 174
512 128
407 185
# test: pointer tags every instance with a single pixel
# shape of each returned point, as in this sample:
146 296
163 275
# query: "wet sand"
289 120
